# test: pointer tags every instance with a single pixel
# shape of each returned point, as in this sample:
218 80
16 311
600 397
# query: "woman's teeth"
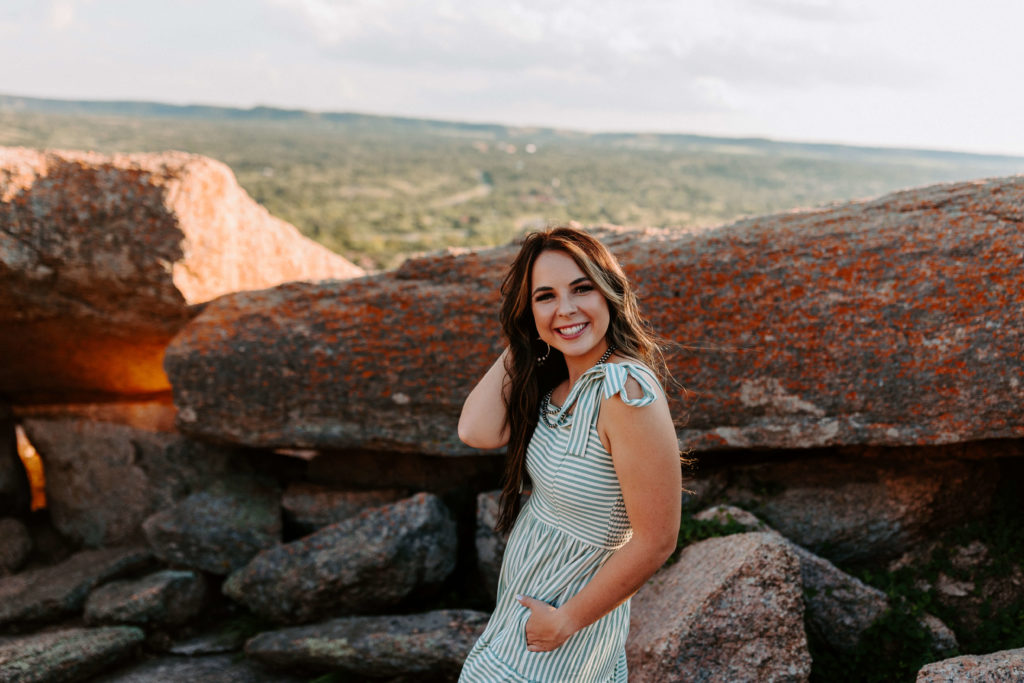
570 331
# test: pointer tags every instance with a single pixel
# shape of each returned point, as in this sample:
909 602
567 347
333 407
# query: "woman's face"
570 312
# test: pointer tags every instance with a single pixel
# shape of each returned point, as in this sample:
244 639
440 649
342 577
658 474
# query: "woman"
576 399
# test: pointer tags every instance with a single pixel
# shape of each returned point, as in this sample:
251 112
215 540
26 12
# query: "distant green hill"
377 188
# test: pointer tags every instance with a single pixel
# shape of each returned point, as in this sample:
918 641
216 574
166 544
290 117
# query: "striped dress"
570 525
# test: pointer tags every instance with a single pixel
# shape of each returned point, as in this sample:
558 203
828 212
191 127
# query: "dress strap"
609 379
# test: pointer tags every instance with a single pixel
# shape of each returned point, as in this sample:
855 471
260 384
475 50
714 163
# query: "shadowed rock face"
430 643
70 655
53 592
897 321
101 257
366 563
104 479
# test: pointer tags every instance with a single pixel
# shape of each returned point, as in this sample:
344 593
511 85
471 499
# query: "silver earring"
541 359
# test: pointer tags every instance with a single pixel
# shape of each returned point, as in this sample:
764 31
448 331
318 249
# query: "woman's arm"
482 423
646 456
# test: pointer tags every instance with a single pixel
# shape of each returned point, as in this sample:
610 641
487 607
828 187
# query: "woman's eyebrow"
546 288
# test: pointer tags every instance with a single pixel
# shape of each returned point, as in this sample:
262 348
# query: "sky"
938 74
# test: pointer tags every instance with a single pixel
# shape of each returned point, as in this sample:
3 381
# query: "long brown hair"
628 332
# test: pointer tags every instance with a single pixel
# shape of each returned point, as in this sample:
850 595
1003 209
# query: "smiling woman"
577 398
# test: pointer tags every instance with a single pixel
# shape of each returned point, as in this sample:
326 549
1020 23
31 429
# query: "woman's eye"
584 289
544 297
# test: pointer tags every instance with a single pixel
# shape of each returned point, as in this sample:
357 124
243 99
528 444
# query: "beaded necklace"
546 404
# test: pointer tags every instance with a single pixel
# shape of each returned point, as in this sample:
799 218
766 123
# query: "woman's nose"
566 305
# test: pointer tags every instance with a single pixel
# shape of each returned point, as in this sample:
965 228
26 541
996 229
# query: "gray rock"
165 597
430 643
838 607
870 504
729 609
15 545
1005 666
215 669
490 545
104 479
14 491
364 563
68 655
53 592
218 530
312 506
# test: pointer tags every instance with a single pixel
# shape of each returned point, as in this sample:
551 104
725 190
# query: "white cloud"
61 14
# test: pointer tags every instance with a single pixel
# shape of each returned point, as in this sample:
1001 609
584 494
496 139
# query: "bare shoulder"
633 387
619 420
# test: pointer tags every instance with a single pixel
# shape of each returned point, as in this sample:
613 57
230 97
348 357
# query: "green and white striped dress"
570 525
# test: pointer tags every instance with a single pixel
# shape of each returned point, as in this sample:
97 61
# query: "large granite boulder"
68 655
729 609
165 597
838 608
869 503
101 258
431 644
366 563
220 529
895 321
103 479
47 594
996 667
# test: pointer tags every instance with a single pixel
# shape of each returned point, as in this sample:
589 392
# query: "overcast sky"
939 74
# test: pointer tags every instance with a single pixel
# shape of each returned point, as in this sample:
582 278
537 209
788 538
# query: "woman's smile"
572 331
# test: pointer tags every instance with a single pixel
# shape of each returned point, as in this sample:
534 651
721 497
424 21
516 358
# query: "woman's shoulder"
633 377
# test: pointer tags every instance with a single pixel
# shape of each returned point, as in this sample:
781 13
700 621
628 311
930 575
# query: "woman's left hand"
547 627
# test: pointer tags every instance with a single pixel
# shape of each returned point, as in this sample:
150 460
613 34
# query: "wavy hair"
627 331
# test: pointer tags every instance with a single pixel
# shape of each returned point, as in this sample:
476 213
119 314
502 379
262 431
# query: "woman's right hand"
483 423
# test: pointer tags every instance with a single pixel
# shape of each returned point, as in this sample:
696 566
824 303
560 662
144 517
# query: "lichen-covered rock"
220 529
895 321
998 667
362 564
104 479
730 609
490 545
68 655
101 257
50 593
867 504
838 607
162 598
432 643
14 491
15 545
215 669
311 506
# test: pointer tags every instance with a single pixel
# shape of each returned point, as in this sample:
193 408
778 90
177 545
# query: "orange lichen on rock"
896 321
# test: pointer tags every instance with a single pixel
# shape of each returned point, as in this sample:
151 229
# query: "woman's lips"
571 331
